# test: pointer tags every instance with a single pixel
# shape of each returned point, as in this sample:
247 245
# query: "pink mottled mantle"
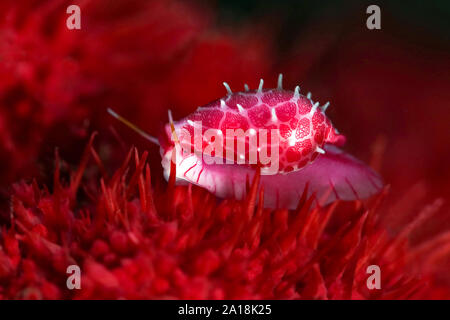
306 154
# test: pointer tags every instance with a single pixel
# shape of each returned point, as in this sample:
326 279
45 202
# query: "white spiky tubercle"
259 94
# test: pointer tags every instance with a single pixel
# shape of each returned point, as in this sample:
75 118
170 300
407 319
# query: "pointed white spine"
169 113
261 83
314 108
228 88
274 115
297 92
280 81
320 150
308 95
325 106
240 108
246 87
222 104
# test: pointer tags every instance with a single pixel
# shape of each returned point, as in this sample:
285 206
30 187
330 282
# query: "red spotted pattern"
302 128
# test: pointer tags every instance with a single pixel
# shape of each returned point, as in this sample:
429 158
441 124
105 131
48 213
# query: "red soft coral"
134 242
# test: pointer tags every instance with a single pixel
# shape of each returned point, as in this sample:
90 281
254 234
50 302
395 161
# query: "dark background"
388 88
390 84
